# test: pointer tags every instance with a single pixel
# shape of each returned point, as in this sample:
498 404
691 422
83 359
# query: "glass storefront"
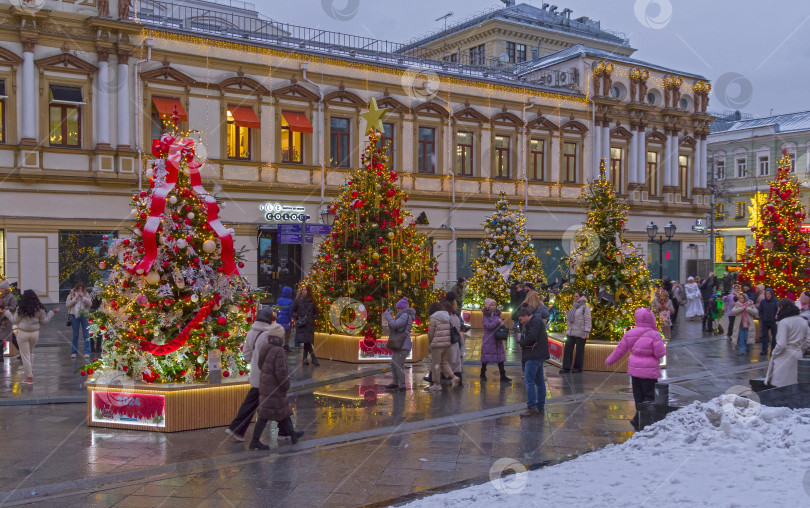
466 251
79 255
279 264
550 253
672 259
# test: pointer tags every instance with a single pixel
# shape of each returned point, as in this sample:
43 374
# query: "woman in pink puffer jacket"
646 350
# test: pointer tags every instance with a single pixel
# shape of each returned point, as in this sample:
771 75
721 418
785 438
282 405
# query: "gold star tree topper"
373 116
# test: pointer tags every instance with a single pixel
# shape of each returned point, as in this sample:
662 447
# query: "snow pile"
729 451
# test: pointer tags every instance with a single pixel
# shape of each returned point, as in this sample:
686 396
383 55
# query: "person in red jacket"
646 350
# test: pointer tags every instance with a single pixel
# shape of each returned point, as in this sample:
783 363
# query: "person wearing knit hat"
399 341
492 350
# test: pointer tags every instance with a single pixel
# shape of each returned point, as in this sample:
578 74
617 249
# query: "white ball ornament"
173 200
150 173
181 243
133 212
195 298
209 246
152 277
190 215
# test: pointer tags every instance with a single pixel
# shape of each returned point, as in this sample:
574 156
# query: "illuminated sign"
278 212
377 352
129 408
805 228
700 226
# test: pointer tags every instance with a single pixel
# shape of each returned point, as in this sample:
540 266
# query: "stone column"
606 145
29 115
632 156
641 155
123 100
103 100
597 145
673 166
556 157
703 175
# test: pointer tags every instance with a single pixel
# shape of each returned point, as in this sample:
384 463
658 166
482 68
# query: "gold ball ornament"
152 277
390 235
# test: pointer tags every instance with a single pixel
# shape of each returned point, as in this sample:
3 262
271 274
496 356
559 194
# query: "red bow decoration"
182 337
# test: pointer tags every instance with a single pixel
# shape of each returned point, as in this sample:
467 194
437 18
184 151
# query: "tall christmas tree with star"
779 257
506 256
375 256
174 299
605 268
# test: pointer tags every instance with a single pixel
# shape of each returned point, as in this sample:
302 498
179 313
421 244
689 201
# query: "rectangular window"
742 172
652 173
740 250
464 153
292 139
719 211
478 55
521 53
339 142
764 170
427 150
720 169
466 251
683 175
502 157
570 162
516 53
510 52
739 209
65 115
451 58
537 159
719 246
616 169
792 156
387 140
238 135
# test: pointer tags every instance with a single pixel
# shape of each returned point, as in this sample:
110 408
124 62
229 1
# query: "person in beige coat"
745 313
440 341
30 315
663 308
792 340
577 330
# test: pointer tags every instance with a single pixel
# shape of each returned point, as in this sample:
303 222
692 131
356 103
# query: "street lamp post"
669 232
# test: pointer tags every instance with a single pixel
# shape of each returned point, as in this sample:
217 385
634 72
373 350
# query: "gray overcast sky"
755 53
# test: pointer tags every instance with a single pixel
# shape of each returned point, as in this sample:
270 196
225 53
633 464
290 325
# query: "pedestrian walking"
707 290
492 350
458 293
744 326
9 302
273 386
694 306
534 352
767 309
678 298
304 312
577 330
29 316
399 341
440 337
259 332
717 313
458 346
662 307
284 317
78 303
728 305
646 350
792 340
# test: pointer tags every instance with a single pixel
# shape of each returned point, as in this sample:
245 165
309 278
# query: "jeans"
767 341
742 341
535 384
398 366
75 322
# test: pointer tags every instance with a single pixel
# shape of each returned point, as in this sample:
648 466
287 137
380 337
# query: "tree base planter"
475 318
596 352
353 349
164 407
9 349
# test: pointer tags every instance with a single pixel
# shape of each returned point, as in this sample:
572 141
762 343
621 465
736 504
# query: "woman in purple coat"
491 349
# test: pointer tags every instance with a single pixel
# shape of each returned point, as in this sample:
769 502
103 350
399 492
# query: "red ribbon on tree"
212 213
182 337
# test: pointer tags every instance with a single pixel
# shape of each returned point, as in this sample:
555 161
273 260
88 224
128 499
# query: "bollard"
804 370
662 394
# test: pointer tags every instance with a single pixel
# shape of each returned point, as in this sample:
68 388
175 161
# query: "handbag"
502 333
455 336
301 322
68 323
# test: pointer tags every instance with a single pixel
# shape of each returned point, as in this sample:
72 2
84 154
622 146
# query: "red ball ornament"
117 343
89 372
226 373
221 321
84 373
222 348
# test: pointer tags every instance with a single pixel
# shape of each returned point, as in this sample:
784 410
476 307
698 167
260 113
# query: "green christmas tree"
779 257
174 295
605 268
375 255
506 257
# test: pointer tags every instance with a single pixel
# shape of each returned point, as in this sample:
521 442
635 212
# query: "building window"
162 111
464 153
719 247
719 211
293 127
569 162
537 159
792 156
740 250
3 98
66 116
478 55
387 141
742 172
764 170
502 163
240 120
427 150
451 58
683 175
616 168
652 173
516 53
467 250
339 142
739 209
720 170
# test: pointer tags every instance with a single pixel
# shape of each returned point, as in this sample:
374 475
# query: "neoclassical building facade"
276 108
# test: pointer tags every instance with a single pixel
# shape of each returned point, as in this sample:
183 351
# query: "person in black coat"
517 294
304 313
707 290
534 346
767 321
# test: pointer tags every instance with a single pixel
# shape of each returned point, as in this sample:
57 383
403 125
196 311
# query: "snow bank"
726 452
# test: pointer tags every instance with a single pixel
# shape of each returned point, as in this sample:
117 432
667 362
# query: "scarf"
572 313
744 321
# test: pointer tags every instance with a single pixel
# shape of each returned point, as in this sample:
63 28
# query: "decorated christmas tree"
174 298
506 257
375 256
779 257
605 268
